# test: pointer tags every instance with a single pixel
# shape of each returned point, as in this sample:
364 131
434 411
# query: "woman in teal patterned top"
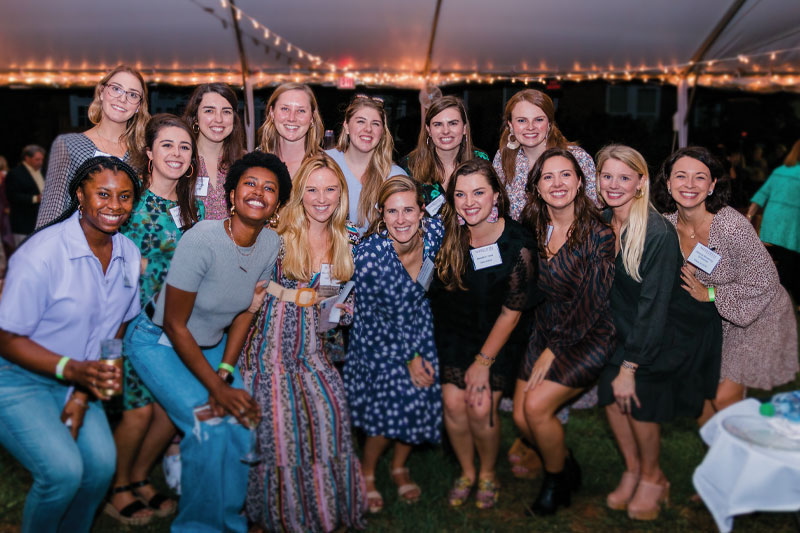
166 209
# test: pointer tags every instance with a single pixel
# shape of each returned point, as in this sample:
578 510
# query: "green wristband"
712 294
416 354
60 367
225 366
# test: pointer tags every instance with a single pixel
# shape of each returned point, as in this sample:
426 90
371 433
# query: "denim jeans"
213 479
70 478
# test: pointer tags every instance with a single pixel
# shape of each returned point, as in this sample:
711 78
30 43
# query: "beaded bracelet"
484 359
630 366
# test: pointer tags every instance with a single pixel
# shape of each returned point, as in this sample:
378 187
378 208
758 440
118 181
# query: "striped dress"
575 319
310 478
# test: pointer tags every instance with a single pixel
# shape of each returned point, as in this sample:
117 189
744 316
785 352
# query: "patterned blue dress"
392 321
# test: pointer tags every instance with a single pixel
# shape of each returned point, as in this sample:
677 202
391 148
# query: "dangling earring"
233 210
461 220
512 143
493 216
274 219
191 171
711 192
428 140
195 127
80 211
150 166
639 193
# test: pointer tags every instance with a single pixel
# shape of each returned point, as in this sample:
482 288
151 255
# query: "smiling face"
447 129
529 124
321 195
215 117
256 194
292 115
171 153
690 182
365 128
402 215
474 198
106 200
618 183
559 182
118 107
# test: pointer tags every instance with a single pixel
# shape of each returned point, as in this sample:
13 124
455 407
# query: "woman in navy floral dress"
391 374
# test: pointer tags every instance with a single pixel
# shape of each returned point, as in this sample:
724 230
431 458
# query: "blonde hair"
380 163
632 246
135 127
424 162
393 185
293 226
555 139
269 135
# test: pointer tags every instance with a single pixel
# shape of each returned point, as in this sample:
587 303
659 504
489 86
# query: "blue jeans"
213 479
70 478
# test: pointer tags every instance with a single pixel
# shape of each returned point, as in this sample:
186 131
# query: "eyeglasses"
118 91
376 99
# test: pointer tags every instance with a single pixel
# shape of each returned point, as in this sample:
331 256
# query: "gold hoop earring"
512 143
150 166
191 171
195 127
639 194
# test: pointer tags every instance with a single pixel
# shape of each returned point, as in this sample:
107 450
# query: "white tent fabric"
385 42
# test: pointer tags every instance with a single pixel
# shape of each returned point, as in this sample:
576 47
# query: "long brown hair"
554 136
536 216
380 163
268 133
185 188
233 145
134 130
423 161
450 261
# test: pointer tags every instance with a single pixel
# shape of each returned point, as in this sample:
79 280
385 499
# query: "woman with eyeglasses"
212 112
364 153
119 114
293 128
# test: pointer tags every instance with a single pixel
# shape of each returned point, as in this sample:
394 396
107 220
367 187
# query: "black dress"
675 340
463 318
575 320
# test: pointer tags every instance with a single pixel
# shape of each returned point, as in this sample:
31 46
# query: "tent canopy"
386 43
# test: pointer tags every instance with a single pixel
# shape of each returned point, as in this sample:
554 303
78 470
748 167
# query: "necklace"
238 248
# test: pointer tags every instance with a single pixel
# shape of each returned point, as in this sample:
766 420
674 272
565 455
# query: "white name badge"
325 277
175 212
704 258
435 205
100 153
425 274
486 256
201 186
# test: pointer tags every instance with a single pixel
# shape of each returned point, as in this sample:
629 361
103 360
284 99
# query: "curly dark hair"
662 198
535 214
270 162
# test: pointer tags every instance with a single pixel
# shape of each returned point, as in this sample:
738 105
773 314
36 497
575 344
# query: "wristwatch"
225 375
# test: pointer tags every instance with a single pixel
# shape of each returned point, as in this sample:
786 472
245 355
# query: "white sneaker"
172 471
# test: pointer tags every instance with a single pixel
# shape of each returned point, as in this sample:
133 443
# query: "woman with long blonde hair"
304 433
668 345
364 153
293 128
119 114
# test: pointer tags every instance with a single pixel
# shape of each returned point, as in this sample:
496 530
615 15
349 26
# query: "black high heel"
557 489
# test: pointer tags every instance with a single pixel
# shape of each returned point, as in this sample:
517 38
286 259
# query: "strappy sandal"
125 516
460 491
406 488
373 496
156 502
488 493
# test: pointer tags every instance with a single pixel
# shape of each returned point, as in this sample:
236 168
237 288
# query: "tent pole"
246 84
427 70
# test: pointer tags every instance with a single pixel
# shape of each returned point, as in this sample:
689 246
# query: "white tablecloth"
737 477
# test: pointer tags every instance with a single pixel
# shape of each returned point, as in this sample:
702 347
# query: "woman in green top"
780 226
166 209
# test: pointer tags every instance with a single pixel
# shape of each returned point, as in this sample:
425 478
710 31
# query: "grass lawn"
434 469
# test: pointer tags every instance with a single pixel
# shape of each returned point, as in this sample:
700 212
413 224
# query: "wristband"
416 354
226 366
712 294
60 367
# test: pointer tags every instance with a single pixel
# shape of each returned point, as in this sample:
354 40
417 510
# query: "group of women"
458 279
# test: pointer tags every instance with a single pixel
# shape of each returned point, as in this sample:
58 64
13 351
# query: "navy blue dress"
392 321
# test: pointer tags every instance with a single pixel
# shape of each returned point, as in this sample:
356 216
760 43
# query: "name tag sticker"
201 186
704 258
486 256
425 274
325 278
100 153
175 212
435 205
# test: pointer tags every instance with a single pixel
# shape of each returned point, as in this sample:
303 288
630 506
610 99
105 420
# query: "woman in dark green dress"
667 358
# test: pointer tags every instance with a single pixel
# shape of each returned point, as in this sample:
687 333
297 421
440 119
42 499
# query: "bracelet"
416 354
60 367
226 366
630 366
484 359
712 294
79 401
